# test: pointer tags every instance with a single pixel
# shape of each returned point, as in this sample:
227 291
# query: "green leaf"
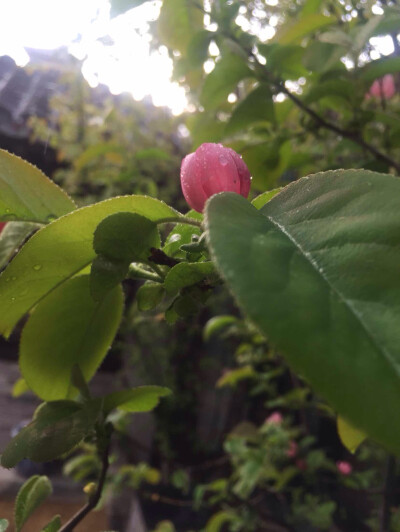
182 234
54 525
380 67
284 60
65 329
4 525
187 274
205 128
94 152
126 236
311 6
338 88
141 399
351 437
264 198
197 52
149 295
317 271
12 237
233 376
177 22
31 495
256 107
322 56
106 274
292 32
26 194
78 380
216 324
223 80
59 251
218 520
20 387
57 427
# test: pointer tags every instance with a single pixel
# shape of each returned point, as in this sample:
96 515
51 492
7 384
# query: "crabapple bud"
212 168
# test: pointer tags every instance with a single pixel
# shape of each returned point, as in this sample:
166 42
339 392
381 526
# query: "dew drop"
37 267
223 160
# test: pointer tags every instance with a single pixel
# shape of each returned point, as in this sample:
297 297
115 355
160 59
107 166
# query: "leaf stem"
179 220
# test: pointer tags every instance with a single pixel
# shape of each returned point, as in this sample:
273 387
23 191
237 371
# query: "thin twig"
94 499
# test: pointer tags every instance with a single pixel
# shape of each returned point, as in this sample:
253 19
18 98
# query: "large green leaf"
27 194
65 329
12 237
31 495
293 32
56 428
59 251
177 23
223 80
317 269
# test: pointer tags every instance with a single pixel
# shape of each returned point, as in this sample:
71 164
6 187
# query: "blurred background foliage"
242 444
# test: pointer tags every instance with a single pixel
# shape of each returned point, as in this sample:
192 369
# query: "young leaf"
54 525
317 270
59 251
264 198
26 194
30 496
187 274
141 399
57 427
149 295
65 329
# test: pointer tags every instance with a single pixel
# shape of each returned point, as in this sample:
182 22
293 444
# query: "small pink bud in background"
344 468
212 169
2 225
383 87
274 419
292 450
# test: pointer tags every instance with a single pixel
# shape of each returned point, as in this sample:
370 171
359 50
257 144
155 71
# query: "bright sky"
124 62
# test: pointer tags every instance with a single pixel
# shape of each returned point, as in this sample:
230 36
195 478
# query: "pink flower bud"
383 87
292 450
212 169
2 225
344 468
274 419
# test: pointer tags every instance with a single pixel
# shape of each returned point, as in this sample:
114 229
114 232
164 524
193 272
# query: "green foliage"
177 22
3 525
54 525
351 437
141 399
149 296
313 256
31 495
65 329
187 274
56 428
27 194
12 237
256 107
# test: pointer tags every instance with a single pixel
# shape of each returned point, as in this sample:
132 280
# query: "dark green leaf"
27 194
284 60
59 251
321 56
216 324
141 399
30 496
187 274
256 107
380 67
149 296
339 88
317 270
54 525
223 80
65 329
56 428
126 236
106 274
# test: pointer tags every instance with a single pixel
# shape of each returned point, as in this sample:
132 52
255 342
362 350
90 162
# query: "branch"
94 499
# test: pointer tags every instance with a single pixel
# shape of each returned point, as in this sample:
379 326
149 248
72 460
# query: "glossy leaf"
187 274
317 270
223 80
31 495
149 296
27 194
141 399
56 428
65 329
59 251
256 107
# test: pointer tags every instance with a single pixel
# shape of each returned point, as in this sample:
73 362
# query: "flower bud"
274 419
383 87
212 169
344 468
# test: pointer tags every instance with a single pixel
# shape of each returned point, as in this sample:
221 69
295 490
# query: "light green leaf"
141 399
197 52
205 128
264 198
177 23
311 6
216 324
65 329
182 234
20 387
256 107
380 67
317 270
149 295
54 525
233 376
57 427
223 80
105 275
293 32
218 520
284 60
4 525
351 437
59 251
187 274
12 237
31 495
26 194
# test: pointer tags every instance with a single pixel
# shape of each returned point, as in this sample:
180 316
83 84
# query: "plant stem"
135 272
179 220
94 499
